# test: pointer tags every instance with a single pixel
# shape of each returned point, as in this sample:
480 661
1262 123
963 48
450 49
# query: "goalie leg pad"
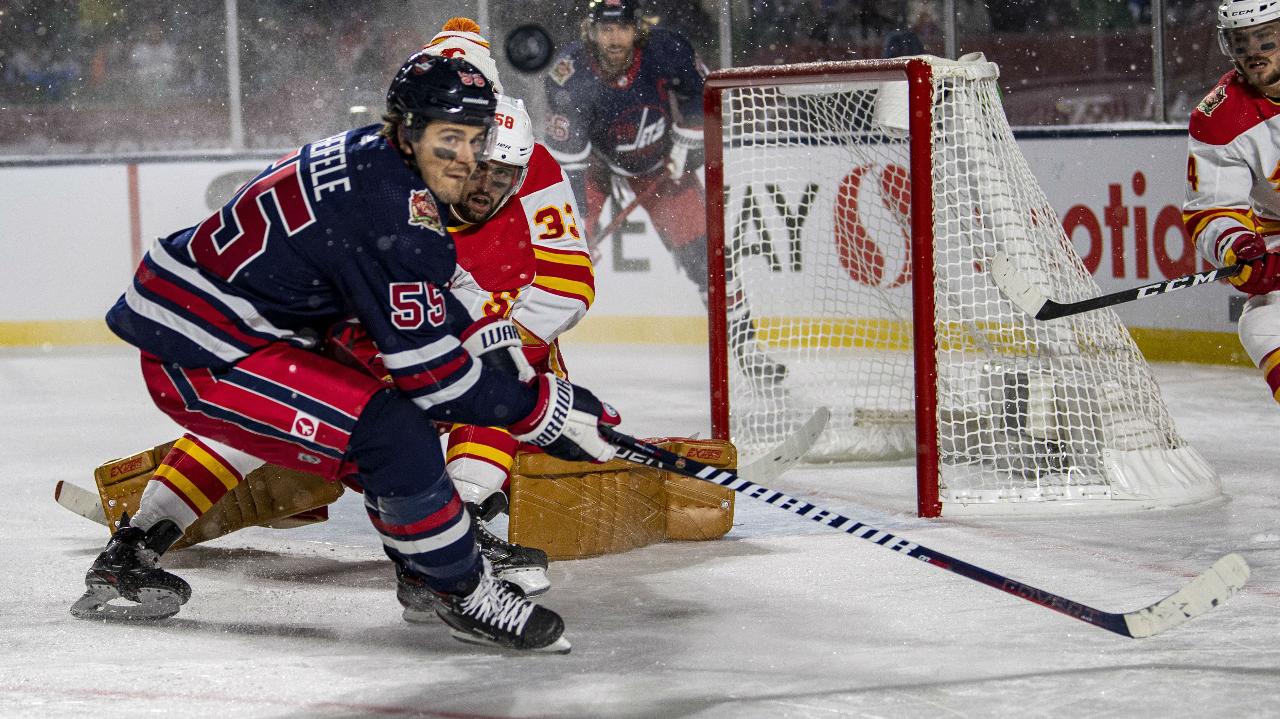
580 509
268 496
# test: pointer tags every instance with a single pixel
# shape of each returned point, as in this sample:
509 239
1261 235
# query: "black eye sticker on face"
1268 46
444 153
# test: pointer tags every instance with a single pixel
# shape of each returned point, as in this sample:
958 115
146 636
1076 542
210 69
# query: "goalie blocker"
569 509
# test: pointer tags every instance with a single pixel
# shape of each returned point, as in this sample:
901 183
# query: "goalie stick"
1030 299
80 500
792 450
1213 587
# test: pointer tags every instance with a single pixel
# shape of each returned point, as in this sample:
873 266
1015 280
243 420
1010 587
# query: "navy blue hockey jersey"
339 228
626 121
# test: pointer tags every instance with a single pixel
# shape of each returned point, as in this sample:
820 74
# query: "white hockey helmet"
511 143
1235 14
514 130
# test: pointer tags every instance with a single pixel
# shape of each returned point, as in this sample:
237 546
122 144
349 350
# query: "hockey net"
855 204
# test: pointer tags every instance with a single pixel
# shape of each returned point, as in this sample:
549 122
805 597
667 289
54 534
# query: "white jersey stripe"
453 391
421 355
431 542
244 311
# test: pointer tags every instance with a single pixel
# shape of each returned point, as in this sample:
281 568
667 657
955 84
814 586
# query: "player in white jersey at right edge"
1232 206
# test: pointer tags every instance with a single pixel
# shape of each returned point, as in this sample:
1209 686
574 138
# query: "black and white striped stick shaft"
1209 589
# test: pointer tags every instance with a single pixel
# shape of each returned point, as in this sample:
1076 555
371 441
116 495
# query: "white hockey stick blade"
787 454
80 500
1213 587
1015 286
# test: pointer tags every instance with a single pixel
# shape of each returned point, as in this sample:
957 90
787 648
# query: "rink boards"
74 230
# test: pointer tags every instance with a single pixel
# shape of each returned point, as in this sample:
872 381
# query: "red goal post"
851 207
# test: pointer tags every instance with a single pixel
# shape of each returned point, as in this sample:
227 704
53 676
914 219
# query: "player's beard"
615 62
1266 78
475 206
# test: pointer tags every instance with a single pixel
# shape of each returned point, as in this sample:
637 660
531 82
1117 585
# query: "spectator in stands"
152 62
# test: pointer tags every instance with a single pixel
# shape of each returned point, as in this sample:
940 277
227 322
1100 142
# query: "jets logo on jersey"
562 71
1213 100
633 136
423 211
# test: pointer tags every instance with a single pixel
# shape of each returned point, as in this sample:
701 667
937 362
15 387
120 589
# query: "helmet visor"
1241 42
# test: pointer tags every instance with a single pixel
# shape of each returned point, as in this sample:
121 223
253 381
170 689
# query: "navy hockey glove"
566 421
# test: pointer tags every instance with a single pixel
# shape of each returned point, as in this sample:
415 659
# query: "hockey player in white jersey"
1232 206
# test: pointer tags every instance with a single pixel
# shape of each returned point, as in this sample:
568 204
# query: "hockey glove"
1244 246
496 343
565 422
1259 276
687 152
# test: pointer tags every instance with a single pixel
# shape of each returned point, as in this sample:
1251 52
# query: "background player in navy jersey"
227 314
625 105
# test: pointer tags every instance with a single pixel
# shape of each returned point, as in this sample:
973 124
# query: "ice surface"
783 618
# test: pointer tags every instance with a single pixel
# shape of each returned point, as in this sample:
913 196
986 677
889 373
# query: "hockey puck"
529 48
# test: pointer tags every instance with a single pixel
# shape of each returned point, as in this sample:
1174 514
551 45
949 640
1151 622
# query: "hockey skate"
126 570
759 368
495 613
525 567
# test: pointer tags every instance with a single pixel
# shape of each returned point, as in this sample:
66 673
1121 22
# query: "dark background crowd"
104 76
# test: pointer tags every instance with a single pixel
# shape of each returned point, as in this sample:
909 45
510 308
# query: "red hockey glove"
1259 276
565 422
1243 247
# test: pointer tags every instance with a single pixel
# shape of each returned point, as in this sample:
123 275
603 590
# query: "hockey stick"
1213 587
619 217
1031 300
80 501
792 450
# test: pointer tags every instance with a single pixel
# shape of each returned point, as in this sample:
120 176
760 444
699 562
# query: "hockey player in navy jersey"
228 316
625 105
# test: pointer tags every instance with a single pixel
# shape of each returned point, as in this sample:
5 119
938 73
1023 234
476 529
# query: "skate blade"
559 646
531 580
100 602
420 616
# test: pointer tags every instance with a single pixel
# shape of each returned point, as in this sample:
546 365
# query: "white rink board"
69 228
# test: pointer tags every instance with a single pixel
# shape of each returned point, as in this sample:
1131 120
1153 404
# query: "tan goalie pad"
269 496
579 509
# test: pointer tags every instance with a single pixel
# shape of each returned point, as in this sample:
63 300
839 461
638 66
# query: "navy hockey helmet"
619 11
428 87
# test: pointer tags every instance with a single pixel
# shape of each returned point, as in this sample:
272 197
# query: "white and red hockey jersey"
1233 168
529 262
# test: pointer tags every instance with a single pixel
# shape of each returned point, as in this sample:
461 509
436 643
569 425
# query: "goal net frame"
1182 466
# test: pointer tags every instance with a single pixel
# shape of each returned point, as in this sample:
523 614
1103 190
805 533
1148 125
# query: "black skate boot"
759 368
525 567
494 613
127 570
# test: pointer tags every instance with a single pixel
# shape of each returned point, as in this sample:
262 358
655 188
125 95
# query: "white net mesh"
819 281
